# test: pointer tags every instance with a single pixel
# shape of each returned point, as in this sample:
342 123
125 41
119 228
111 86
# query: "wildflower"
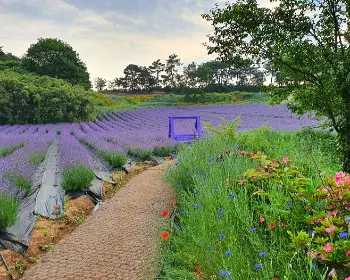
196 205
222 236
310 232
275 163
202 243
314 266
289 203
228 253
253 229
198 274
348 220
322 257
330 229
232 165
273 147
165 213
165 235
272 226
284 224
252 154
216 188
258 266
347 278
182 213
347 253
286 160
210 160
231 195
343 235
261 220
333 273
223 273
262 254
328 248
312 254
197 268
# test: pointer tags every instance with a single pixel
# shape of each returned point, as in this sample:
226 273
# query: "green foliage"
77 178
8 210
37 158
8 150
309 48
164 151
115 159
32 99
142 154
57 59
233 198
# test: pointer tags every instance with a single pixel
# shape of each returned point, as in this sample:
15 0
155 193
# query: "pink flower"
330 229
321 256
339 178
348 253
275 163
286 160
347 278
333 273
272 225
328 248
312 254
261 220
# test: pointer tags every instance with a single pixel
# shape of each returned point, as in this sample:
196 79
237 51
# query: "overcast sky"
110 34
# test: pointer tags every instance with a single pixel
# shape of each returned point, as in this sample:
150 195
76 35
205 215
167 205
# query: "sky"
110 34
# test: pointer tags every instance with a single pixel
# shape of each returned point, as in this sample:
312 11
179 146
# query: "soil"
112 219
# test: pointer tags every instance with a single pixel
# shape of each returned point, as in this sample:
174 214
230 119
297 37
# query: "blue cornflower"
216 188
196 205
223 273
289 203
286 151
253 229
222 236
348 220
257 266
221 211
310 232
238 146
228 253
211 160
273 147
198 191
343 235
179 186
229 276
202 243
182 213
231 195
262 254
314 266
201 172
232 165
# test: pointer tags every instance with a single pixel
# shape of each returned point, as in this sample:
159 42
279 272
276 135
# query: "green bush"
142 154
27 98
77 178
37 158
164 151
115 159
8 211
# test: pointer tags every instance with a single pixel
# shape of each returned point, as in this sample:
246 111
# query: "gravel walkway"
116 242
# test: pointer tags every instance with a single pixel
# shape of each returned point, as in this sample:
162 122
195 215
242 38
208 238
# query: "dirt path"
116 242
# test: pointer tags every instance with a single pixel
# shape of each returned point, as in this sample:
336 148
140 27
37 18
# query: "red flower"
165 235
165 213
284 224
348 253
272 226
252 154
198 274
198 268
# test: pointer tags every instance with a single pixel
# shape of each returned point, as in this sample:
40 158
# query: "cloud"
110 34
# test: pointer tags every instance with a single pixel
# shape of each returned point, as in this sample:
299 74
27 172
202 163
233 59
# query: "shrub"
26 98
77 178
37 158
142 154
115 159
164 151
8 211
22 184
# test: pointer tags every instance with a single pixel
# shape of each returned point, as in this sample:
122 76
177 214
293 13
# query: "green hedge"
27 98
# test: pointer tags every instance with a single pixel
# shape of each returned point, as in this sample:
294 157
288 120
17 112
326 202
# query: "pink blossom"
330 229
333 273
347 278
328 248
348 253
286 160
312 254
321 256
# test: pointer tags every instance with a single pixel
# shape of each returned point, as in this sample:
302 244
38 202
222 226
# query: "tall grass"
217 220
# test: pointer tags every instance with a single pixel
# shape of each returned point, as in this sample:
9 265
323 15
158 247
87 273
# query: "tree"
57 59
156 68
306 41
190 75
170 69
205 74
100 83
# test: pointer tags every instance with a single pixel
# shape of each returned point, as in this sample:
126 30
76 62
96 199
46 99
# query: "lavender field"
119 131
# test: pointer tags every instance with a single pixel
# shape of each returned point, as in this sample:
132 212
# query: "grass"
139 153
77 178
115 159
4 152
8 210
216 225
38 158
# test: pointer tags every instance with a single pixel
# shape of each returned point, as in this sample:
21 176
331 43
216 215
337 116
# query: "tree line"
211 74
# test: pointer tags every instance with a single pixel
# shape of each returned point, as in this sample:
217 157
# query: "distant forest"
211 76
